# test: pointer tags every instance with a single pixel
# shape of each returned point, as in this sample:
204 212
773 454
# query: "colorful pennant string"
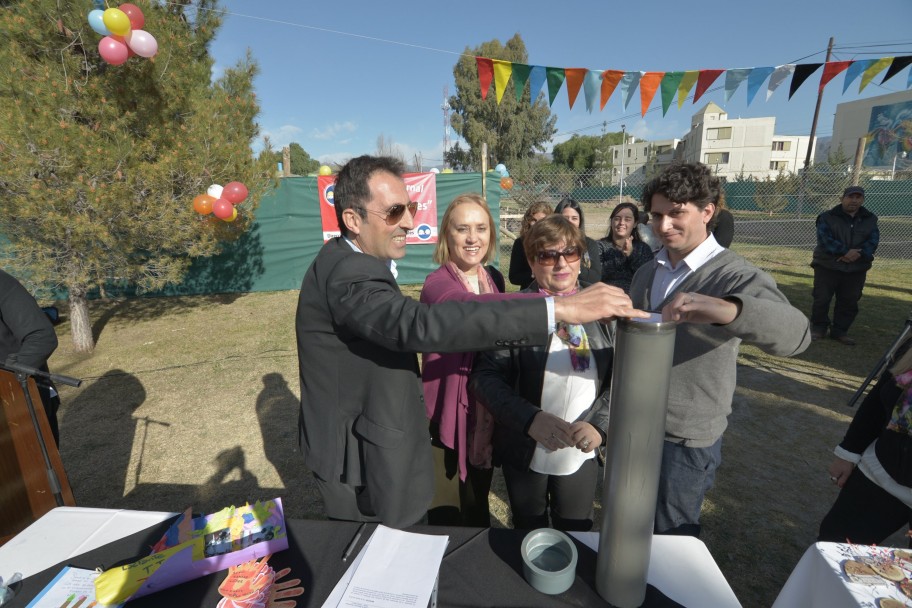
602 83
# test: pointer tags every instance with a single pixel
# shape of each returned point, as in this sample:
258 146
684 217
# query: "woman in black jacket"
873 463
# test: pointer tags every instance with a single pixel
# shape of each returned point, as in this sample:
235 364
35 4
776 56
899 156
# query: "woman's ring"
833 479
552 435
691 299
586 444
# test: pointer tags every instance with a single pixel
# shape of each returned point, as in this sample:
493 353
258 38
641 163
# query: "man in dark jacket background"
27 338
847 237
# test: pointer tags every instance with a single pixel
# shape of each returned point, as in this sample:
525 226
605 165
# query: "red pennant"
704 80
485 74
610 80
575 77
831 69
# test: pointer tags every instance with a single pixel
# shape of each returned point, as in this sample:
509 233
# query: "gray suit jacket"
363 419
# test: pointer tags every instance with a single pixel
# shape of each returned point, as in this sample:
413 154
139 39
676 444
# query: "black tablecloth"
481 567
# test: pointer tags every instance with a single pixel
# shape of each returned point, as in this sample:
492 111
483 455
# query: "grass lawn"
194 401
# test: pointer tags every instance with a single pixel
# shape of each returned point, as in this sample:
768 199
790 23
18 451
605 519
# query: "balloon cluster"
506 182
220 201
123 33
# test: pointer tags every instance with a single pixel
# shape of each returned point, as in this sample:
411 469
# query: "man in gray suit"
363 431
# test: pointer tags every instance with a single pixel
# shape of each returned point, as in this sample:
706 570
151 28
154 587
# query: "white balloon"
215 191
435 170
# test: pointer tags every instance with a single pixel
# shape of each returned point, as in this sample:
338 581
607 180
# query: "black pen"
354 541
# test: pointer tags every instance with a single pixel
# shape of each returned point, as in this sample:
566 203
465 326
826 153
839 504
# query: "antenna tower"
446 121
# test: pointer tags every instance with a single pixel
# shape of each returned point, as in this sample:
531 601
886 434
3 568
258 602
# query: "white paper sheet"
394 569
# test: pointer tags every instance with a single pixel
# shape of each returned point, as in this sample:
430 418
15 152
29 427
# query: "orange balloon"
506 183
202 204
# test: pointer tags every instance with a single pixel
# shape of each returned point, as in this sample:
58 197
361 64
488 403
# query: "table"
481 567
66 532
820 580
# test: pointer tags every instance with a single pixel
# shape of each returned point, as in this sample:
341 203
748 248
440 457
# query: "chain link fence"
774 216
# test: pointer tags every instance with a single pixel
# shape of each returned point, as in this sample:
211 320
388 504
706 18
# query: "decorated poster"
422 189
195 547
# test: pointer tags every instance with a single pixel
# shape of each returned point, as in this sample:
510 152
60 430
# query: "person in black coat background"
28 338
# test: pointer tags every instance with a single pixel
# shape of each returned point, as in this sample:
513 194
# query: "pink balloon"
234 192
113 51
142 43
222 209
136 17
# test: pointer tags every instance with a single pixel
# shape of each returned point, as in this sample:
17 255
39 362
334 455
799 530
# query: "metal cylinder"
643 356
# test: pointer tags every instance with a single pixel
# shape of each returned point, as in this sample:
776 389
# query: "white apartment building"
631 158
741 146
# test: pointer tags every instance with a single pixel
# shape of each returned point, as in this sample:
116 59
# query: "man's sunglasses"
549 258
392 215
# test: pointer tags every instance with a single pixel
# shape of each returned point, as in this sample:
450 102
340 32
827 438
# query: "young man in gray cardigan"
718 299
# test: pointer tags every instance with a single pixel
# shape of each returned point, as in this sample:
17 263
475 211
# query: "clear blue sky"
335 76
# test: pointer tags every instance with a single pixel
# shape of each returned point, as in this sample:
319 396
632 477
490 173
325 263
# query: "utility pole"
286 162
623 148
807 159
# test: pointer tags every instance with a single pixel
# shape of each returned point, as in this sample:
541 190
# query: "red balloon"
130 52
136 17
506 183
202 204
234 192
222 209
113 51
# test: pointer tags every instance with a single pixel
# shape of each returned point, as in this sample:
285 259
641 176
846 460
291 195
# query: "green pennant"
520 77
670 83
555 81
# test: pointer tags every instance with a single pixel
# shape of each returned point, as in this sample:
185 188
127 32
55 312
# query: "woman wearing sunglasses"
550 403
591 265
460 432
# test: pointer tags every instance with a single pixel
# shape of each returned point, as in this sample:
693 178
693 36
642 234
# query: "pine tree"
514 130
99 164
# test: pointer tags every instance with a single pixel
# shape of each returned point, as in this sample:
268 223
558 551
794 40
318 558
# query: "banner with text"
422 189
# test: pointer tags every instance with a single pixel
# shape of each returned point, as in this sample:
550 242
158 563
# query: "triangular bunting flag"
855 70
831 70
485 74
898 64
733 79
502 71
754 81
803 71
649 84
520 77
628 85
591 88
536 80
778 77
610 80
707 77
687 83
555 82
873 70
575 78
670 83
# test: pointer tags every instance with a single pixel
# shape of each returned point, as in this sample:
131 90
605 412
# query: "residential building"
741 147
638 160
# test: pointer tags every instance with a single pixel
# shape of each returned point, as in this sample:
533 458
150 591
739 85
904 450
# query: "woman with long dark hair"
622 250
590 266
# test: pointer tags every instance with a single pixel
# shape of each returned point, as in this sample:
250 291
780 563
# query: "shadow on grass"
104 441
134 310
